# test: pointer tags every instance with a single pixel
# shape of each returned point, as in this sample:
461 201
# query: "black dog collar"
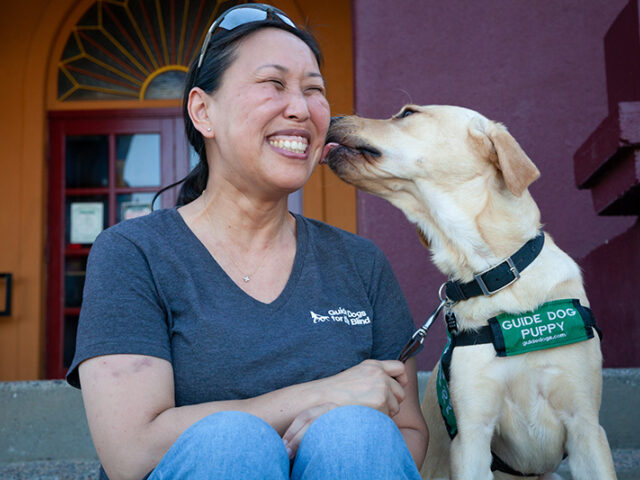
496 278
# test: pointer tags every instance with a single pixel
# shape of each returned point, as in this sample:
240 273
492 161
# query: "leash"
415 344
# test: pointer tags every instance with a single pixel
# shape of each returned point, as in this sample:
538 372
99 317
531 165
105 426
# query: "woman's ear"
198 108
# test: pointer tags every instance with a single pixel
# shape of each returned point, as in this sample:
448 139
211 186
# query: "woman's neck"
238 216
245 220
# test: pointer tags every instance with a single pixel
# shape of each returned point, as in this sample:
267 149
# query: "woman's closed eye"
280 84
315 89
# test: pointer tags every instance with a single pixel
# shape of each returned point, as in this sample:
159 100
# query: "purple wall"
538 67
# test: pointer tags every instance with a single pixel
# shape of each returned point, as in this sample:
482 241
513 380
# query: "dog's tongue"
327 148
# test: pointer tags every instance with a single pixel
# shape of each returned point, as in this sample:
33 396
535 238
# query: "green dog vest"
553 324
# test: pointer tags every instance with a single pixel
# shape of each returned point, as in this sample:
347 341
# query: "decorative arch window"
134 49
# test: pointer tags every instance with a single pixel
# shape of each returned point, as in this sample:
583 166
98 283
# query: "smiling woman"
181 356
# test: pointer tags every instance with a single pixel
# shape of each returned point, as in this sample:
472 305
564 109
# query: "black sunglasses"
241 15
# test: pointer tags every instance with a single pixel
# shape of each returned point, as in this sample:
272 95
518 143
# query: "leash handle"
415 344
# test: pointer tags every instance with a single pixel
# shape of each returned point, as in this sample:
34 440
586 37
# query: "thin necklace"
245 277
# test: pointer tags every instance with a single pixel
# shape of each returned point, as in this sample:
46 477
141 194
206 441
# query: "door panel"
105 167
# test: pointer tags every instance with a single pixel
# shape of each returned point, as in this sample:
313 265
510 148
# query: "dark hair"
218 57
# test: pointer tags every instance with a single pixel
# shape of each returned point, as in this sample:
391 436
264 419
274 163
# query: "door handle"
7 295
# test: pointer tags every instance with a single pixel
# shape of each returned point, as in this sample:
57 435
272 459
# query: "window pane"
74 276
134 205
87 161
133 49
138 160
84 215
69 341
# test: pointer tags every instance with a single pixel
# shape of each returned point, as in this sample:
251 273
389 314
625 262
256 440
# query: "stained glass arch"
134 49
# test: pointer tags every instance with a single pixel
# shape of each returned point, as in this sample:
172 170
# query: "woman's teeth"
291 144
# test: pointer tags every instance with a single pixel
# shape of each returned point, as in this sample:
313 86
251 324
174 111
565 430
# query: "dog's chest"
521 386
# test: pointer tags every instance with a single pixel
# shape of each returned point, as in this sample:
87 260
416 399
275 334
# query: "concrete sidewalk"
44 433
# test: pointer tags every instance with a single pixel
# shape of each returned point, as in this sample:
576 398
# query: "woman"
227 337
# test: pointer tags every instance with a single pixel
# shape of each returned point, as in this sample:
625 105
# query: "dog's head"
441 165
448 144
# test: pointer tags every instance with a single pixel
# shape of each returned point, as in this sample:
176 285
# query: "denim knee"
226 445
354 442
349 427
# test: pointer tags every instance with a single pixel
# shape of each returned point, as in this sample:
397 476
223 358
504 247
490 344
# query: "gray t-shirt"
152 288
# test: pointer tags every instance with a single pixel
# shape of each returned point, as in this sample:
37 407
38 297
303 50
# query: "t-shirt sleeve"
122 311
392 321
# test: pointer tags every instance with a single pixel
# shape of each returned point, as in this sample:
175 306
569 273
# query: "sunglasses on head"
241 15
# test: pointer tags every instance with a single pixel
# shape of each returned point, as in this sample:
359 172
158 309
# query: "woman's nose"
297 107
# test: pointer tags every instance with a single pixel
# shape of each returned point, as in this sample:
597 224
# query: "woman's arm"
129 400
410 420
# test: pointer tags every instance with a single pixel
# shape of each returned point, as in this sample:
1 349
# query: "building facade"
99 80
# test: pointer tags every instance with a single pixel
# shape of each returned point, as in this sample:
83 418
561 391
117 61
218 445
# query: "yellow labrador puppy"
520 390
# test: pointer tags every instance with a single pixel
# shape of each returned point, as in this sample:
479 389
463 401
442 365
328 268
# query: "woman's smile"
290 143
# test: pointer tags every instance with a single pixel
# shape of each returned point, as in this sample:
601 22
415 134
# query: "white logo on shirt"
342 315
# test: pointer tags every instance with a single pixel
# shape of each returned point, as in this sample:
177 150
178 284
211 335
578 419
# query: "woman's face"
270 115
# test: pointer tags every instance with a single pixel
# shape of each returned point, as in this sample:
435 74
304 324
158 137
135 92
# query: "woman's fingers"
396 369
394 378
373 383
294 434
396 397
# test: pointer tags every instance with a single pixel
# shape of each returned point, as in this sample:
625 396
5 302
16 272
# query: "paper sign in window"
86 221
134 210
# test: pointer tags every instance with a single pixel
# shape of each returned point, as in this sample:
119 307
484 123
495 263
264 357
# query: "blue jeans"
350 443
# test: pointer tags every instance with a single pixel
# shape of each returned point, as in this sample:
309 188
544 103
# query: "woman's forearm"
138 453
417 443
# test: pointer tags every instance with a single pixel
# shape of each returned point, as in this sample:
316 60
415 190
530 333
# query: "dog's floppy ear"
518 171
517 168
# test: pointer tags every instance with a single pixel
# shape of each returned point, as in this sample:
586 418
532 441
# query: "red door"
104 167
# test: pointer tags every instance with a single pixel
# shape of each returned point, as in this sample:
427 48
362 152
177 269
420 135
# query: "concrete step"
44 433
627 463
51 470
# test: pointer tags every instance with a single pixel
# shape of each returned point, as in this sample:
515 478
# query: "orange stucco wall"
32 33
26 31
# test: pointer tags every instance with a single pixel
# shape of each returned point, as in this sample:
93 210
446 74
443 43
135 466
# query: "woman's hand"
372 383
297 429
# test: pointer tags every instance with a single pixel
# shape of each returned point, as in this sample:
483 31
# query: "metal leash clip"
415 344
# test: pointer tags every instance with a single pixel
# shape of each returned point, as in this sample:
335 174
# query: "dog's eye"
406 112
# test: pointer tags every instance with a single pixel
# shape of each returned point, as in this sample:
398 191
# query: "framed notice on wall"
134 210
86 221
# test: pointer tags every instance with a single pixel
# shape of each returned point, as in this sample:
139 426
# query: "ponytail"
194 184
